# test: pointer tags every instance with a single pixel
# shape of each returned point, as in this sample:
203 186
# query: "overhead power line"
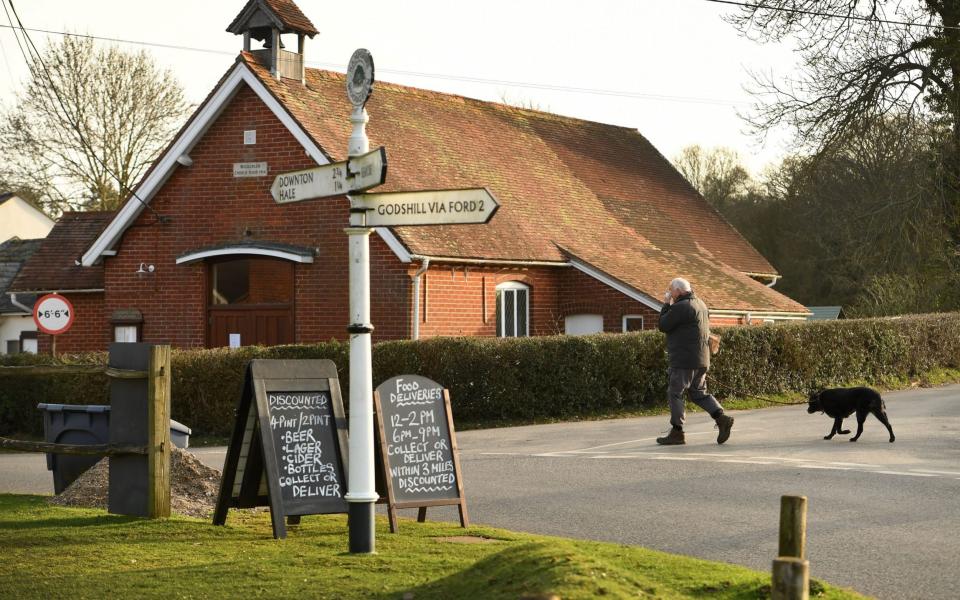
424 74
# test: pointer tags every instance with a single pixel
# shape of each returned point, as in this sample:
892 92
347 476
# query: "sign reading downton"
433 207
354 175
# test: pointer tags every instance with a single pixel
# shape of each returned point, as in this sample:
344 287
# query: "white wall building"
18 218
18 332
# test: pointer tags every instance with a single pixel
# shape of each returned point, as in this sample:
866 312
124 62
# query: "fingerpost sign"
361 171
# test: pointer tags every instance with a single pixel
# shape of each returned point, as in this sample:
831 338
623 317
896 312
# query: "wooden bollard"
793 526
791 579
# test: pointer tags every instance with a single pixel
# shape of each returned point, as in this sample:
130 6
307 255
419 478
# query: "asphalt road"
883 518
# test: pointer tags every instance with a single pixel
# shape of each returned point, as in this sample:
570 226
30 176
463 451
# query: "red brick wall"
207 206
452 300
584 294
90 329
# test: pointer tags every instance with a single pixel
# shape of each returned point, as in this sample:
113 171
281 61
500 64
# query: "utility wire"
815 13
29 57
423 74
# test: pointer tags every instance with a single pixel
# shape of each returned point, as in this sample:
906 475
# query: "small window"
513 309
632 323
127 325
126 333
28 342
13 346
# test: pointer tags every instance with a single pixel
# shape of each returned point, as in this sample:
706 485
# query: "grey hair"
681 284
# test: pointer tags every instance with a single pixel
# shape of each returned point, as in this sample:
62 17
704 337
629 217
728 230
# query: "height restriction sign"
53 314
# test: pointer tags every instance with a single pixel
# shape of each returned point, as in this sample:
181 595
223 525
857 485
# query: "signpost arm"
361 492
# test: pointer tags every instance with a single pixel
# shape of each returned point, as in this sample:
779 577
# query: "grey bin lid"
88 408
102 408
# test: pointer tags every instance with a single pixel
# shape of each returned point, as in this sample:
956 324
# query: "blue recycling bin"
85 424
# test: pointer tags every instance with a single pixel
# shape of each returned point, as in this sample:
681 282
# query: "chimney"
267 21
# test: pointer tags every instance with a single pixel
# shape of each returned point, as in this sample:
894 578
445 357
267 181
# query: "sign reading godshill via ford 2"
432 207
288 449
418 446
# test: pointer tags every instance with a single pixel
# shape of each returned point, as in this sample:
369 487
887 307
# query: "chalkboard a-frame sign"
418 455
288 449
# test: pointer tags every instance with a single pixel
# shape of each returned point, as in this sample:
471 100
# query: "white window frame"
624 321
503 290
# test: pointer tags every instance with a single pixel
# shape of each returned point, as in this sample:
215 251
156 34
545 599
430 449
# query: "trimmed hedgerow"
529 379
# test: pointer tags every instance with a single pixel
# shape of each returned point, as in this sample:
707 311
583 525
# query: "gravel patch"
193 486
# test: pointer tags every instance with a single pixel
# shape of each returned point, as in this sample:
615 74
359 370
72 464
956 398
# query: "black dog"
840 403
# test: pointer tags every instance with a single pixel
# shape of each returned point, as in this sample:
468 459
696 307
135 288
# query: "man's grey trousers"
694 380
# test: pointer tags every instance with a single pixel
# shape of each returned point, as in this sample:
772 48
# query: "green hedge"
538 378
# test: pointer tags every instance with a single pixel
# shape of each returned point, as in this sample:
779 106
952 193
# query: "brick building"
593 222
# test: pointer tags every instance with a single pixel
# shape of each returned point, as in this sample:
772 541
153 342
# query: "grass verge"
53 552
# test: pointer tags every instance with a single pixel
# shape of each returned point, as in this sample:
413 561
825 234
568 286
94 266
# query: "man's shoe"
674 438
724 424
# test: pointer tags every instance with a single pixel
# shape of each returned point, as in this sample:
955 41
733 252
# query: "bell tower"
266 21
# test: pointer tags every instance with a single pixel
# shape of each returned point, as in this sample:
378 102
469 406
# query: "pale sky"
673 69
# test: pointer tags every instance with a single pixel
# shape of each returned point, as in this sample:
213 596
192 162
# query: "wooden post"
158 432
793 526
791 579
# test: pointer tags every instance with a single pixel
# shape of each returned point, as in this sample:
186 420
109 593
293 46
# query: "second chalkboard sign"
419 458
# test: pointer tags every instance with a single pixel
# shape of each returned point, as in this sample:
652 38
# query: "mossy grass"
52 552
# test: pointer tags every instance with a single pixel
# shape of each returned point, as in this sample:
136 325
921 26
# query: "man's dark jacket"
687 325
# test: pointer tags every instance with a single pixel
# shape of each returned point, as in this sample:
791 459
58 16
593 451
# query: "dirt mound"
193 486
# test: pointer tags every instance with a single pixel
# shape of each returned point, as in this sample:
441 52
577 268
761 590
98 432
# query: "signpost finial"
360 77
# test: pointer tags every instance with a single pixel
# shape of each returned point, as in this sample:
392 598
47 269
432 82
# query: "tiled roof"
286 12
650 271
13 253
53 266
601 191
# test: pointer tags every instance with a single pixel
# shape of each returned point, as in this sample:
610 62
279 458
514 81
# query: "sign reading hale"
432 207
336 179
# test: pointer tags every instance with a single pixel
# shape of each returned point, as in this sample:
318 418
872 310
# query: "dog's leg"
842 431
835 429
882 416
861 417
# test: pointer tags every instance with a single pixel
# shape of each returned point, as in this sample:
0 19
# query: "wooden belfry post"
140 416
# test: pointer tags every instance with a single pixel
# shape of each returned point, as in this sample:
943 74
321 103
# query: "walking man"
685 320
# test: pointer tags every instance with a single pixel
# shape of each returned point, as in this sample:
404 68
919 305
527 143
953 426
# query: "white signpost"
356 174
434 207
361 171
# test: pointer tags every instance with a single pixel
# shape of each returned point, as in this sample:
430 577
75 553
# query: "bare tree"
88 125
862 60
717 174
